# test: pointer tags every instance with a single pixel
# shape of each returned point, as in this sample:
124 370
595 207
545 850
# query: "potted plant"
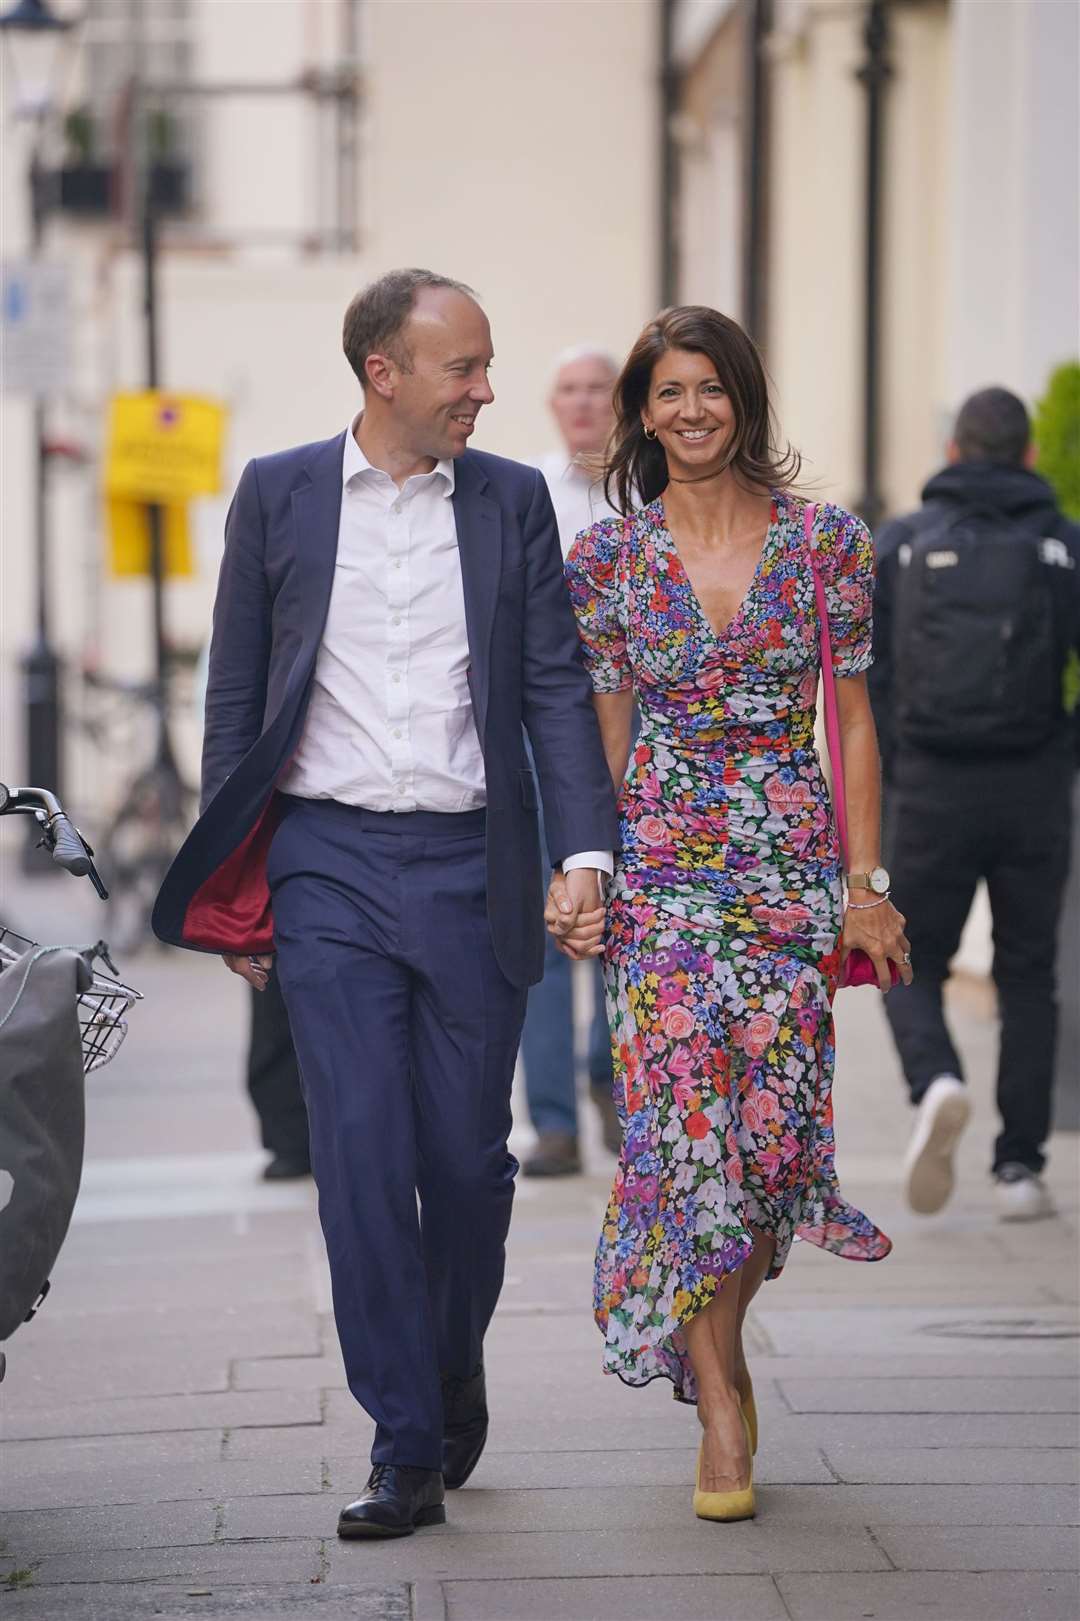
169 173
85 182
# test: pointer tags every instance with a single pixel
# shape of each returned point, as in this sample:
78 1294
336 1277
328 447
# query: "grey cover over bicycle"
42 1119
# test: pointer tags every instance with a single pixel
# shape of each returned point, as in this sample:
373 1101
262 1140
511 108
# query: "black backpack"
978 660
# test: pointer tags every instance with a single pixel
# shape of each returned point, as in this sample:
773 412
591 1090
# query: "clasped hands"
574 913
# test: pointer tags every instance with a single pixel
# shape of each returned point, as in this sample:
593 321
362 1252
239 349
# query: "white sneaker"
1020 1195
928 1164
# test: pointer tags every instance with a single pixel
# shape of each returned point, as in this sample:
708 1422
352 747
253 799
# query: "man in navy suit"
390 613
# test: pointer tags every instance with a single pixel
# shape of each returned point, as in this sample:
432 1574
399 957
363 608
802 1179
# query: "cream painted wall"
916 317
815 211
1014 122
517 153
709 137
258 151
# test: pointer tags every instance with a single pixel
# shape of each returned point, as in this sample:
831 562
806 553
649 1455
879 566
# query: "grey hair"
376 317
584 351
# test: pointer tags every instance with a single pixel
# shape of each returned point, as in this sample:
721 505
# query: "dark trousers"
950 824
407 1032
273 1076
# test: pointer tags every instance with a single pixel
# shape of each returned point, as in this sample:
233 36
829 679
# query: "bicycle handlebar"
68 847
60 837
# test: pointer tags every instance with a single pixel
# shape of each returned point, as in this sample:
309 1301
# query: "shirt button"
396 619
397 678
397 733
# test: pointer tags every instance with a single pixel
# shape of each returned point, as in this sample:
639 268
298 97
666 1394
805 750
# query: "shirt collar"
354 462
567 469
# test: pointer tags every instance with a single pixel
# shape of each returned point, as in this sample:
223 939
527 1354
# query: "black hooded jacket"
1016 495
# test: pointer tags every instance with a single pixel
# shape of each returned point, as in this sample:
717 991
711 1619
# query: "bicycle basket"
102 1008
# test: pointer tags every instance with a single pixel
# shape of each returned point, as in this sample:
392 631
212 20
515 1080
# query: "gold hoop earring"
650 433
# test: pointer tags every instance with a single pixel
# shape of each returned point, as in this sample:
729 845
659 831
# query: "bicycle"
61 1018
151 822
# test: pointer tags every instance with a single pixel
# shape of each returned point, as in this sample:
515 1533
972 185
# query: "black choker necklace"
700 478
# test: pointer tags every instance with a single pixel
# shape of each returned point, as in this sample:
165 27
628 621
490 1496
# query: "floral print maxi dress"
724 915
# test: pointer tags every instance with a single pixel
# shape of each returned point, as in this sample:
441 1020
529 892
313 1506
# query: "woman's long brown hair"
636 467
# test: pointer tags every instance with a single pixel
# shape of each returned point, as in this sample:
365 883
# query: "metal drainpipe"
874 74
669 162
757 26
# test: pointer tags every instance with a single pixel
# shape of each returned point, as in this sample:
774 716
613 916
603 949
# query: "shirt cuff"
598 860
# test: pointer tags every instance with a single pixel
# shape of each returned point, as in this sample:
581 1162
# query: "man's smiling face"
437 400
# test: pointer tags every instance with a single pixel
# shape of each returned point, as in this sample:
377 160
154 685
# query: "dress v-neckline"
719 635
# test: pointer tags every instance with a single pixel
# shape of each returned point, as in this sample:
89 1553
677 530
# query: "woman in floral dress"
725 929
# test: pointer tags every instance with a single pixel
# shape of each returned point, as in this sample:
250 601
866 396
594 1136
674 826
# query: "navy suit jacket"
525 670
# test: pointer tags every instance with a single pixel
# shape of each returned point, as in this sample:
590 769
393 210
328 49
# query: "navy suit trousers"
407 1031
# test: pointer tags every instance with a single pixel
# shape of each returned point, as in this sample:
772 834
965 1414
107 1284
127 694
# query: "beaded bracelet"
867 906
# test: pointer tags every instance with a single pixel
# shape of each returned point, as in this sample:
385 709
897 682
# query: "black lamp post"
874 74
31 36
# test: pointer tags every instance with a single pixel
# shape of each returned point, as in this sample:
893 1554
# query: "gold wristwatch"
876 880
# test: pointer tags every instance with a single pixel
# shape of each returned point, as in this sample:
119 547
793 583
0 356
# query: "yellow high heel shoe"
738 1505
749 1409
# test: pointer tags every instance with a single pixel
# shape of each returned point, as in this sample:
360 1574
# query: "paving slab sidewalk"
177 1436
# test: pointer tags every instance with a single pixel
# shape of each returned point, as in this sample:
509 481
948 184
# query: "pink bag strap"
828 683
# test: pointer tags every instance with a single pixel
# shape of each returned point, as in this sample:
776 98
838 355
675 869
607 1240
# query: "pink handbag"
858 968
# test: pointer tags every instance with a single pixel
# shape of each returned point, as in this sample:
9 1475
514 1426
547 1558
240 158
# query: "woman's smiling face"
690 412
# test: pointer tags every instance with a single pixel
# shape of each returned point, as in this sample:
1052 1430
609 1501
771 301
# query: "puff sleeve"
844 553
597 591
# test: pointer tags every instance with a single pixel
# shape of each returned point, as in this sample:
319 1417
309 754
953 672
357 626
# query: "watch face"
879 881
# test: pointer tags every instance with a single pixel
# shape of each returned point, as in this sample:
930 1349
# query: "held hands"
574 913
256 970
879 931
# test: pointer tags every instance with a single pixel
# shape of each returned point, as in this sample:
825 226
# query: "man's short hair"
993 426
375 320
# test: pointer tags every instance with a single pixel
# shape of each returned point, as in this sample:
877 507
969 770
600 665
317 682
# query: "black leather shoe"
465 1426
395 1502
286 1168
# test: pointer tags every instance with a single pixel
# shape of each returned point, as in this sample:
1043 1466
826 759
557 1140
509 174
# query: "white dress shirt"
576 494
390 725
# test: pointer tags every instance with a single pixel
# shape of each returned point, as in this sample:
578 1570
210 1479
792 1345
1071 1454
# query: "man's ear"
1031 454
952 452
381 374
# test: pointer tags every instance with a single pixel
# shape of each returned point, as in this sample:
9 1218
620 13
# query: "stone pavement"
177 1437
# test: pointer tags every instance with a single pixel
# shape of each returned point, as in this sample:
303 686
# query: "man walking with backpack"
976 610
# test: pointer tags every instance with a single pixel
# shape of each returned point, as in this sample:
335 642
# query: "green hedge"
1057 436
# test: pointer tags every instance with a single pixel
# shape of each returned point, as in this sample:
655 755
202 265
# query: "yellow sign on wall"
128 525
163 447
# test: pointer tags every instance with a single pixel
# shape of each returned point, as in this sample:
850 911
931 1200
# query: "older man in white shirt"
581 405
